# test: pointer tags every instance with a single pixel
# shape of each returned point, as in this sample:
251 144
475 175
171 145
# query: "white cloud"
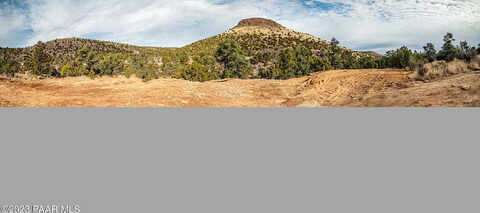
358 24
13 22
391 23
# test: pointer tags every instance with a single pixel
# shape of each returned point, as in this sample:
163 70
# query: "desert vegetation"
256 48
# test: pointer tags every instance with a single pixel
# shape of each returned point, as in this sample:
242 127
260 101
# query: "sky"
375 25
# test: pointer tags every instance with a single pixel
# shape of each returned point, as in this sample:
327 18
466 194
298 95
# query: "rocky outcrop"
258 22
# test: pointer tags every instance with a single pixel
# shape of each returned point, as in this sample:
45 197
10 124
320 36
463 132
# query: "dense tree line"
217 58
90 63
404 57
299 60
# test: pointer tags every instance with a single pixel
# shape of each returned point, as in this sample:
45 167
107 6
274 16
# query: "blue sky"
377 25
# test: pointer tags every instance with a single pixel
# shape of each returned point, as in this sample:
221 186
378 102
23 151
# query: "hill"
259 48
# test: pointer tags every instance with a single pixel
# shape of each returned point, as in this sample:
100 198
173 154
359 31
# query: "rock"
465 87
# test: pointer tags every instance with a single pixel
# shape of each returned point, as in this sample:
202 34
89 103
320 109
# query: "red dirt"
339 88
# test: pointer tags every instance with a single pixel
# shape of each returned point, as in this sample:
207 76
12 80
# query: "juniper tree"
288 63
466 52
334 42
38 58
39 63
8 66
235 64
197 72
430 52
448 52
304 61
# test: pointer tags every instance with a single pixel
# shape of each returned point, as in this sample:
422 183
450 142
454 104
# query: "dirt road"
338 88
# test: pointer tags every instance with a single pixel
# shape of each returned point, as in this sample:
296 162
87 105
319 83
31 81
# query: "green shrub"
399 58
321 64
465 52
111 65
92 74
197 72
147 73
367 62
67 70
8 67
271 73
416 63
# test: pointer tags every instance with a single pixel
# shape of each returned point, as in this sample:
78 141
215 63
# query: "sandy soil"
338 88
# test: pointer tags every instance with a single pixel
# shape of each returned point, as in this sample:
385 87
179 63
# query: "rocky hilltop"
258 22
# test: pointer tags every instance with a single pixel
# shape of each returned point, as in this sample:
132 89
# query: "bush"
321 64
147 73
367 62
67 70
111 65
271 73
465 52
416 63
350 61
254 60
9 67
197 72
92 74
399 58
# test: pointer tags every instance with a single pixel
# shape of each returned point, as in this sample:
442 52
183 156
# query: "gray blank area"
205 160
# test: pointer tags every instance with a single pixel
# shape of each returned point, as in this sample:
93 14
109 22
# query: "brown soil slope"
328 89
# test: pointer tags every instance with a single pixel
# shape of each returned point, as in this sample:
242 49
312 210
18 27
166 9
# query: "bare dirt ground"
340 88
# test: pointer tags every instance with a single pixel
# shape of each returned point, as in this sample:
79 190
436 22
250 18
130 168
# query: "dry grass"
441 69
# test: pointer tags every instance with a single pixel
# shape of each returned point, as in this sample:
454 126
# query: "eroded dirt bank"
338 88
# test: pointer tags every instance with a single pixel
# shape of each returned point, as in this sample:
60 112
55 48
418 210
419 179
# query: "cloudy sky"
376 25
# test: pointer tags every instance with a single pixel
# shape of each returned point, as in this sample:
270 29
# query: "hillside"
265 43
260 48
